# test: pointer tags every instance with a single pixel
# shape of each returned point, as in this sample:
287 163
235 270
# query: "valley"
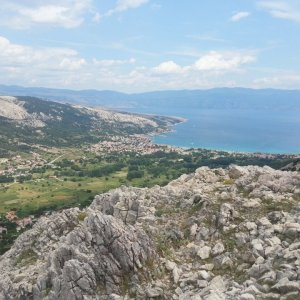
51 179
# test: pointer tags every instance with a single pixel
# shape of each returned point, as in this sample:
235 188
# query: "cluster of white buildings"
18 165
135 143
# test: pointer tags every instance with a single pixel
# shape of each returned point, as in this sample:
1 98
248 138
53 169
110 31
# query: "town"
132 143
20 165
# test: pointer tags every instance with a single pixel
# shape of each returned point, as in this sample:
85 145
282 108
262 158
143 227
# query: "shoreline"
232 152
246 153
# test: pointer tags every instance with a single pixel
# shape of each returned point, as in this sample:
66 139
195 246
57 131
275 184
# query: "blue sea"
233 129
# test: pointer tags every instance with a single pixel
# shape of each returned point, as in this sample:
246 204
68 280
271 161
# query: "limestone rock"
218 249
101 251
167 242
204 252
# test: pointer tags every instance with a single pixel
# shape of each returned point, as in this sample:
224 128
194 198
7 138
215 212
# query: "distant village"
18 166
12 218
133 143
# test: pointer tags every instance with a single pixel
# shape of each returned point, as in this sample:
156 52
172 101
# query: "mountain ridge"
216 234
30 121
223 98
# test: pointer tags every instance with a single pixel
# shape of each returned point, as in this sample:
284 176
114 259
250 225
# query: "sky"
146 45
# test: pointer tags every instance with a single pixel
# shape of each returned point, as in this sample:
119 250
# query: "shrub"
81 216
27 257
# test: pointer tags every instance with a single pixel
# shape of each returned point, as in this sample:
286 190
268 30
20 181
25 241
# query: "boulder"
204 252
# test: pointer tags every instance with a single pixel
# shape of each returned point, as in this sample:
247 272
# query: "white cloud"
285 9
291 80
16 58
113 62
168 67
72 64
123 5
97 17
24 14
213 62
239 16
217 61
65 68
126 4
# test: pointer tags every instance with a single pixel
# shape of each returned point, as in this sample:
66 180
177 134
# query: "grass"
228 181
160 211
51 189
65 186
297 197
47 291
46 192
27 257
195 208
163 246
30 196
81 216
42 194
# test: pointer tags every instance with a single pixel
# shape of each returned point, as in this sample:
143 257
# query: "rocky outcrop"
294 166
13 109
74 255
215 234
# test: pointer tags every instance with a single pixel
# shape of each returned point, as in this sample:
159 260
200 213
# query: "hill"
29 121
214 234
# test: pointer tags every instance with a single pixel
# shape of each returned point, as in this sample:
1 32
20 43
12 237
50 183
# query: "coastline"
171 129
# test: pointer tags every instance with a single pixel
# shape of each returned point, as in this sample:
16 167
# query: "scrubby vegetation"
65 126
78 176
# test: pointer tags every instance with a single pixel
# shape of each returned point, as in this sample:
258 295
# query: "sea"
237 130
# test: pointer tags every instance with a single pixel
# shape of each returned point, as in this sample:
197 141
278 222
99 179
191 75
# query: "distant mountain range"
219 98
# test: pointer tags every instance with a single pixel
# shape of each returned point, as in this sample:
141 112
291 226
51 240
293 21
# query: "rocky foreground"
215 234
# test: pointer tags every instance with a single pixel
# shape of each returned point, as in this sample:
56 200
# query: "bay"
268 131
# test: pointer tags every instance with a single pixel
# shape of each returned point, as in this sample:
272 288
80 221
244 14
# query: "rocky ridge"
28 122
13 108
113 116
215 234
294 166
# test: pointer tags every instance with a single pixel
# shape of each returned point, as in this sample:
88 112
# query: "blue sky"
145 45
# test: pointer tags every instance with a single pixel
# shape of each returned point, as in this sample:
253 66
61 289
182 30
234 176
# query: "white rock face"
14 109
218 249
204 252
71 257
112 116
204 245
252 203
11 108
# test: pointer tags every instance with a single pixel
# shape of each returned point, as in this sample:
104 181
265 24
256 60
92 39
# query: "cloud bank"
25 14
66 68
